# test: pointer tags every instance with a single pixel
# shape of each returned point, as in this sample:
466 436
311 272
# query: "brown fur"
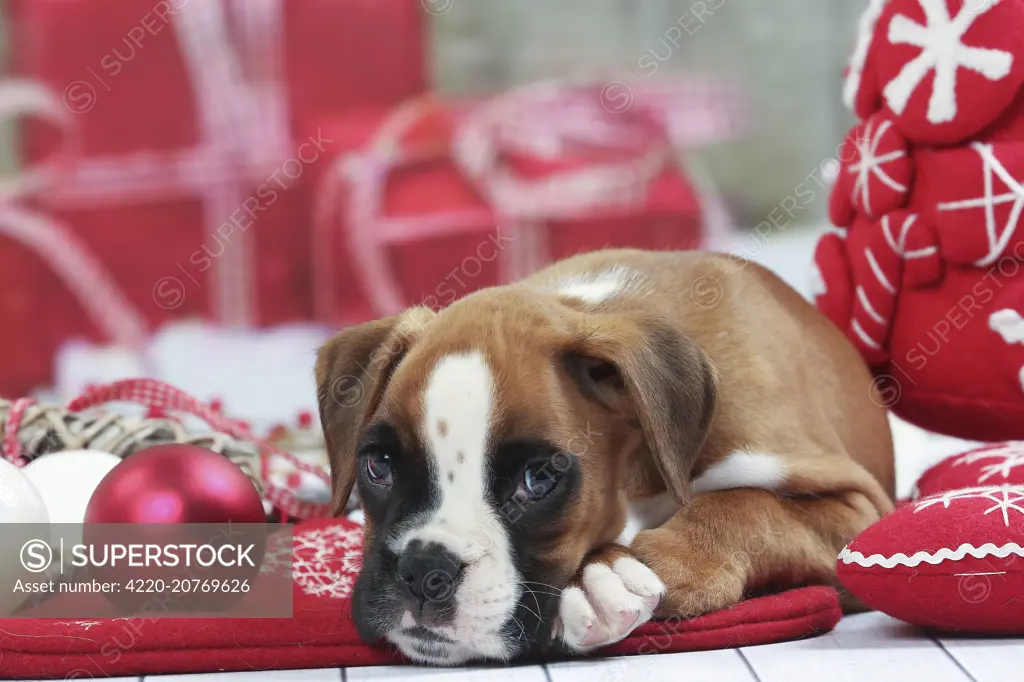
716 356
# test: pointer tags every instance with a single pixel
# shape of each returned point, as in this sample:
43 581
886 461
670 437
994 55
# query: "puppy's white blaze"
742 470
645 514
458 406
595 287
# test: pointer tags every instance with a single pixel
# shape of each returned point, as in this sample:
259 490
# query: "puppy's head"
495 444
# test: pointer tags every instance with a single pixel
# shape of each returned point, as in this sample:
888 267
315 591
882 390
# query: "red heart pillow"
999 464
952 561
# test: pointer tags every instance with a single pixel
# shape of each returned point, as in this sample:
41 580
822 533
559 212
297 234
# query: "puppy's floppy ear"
352 369
649 370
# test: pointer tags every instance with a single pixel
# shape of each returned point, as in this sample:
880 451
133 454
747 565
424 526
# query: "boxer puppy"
625 434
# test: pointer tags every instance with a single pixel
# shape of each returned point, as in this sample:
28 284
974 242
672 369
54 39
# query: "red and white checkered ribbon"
545 122
156 394
52 241
161 399
355 184
11 445
244 137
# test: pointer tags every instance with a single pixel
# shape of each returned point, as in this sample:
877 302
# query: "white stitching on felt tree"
942 50
1009 325
869 163
1006 498
997 239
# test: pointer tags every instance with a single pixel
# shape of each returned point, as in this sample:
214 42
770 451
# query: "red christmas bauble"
175 483
186 496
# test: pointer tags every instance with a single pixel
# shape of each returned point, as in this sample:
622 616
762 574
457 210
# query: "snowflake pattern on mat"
327 560
1005 499
278 555
942 51
1009 456
323 561
998 238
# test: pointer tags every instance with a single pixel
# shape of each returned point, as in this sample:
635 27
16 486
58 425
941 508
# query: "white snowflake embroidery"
1009 456
997 240
278 555
870 164
942 49
1005 499
327 560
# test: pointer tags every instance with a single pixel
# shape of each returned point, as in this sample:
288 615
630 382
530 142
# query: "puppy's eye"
378 468
538 480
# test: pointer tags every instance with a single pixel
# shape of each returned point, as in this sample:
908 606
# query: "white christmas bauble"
66 481
20 502
23 517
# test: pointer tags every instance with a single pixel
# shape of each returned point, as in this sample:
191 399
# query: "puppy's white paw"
609 603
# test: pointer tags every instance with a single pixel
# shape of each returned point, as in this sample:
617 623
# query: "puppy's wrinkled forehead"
462 390
473 373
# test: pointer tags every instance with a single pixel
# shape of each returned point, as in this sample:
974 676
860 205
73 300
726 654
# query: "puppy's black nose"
428 573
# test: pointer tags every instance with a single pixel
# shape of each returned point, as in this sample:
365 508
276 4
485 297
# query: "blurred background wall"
787 54
6 142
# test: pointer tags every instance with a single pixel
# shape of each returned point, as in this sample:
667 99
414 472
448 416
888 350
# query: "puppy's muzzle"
428 576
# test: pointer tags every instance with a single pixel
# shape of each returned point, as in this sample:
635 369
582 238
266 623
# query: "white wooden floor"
868 647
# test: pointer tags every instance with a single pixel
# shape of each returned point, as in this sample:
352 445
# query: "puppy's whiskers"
557 591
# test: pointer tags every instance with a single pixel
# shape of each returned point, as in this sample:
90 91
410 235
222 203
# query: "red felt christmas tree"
923 267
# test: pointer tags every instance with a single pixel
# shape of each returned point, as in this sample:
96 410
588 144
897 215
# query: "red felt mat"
321 633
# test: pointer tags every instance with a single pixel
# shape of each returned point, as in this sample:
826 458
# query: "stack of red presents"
260 162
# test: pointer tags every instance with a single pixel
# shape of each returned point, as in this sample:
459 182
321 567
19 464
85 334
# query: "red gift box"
176 162
434 200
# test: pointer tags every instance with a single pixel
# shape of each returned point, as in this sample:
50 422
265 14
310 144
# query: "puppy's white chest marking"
596 287
646 514
742 470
